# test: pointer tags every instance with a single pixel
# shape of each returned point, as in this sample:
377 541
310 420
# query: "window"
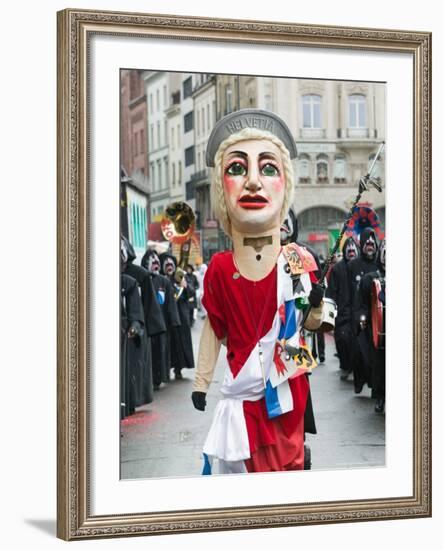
303 169
198 162
151 145
189 121
203 120
165 97
311 111
172 138
159 174
142 141
173 174
151 104
187 87
153 182
320 218
165 133
189 156
178 136
208 116
158 133
357 111
339 169
166 168
228 97
179 180
158 100
322 169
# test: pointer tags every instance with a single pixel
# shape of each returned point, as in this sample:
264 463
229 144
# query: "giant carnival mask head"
151 261
251 151
368 243
350 249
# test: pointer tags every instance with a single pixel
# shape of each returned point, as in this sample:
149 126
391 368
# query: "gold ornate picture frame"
75 517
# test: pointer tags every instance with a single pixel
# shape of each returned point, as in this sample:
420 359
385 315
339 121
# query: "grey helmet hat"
248 118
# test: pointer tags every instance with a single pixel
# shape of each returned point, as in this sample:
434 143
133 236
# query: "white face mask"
383 254
369 248
123 253
351 251
286 230
153 264
168 266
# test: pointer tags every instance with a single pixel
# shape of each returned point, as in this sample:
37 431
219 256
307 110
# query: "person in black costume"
154 323
357 268
182 355
338 290
161 343
132 344
377 354
192 288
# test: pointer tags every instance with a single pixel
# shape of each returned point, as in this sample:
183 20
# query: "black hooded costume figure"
377 354
161 343
132 344
182 355
339 291
357 268
289 234
153 320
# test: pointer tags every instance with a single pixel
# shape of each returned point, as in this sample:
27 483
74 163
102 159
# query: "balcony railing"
200 178
312 133
357 133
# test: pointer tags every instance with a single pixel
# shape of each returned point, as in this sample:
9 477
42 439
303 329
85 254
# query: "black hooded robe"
339 291
154 323
133 350
161 344
357 268
182 355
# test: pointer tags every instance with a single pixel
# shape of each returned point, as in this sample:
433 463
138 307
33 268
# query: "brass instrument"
178 226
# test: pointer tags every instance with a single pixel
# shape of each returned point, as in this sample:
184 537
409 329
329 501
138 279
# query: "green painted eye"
269 170
236 169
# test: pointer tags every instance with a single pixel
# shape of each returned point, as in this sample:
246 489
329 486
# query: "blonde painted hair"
217 194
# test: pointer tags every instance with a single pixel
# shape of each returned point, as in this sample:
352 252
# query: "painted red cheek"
279 184
229 181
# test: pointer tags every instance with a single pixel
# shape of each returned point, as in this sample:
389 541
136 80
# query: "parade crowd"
158 308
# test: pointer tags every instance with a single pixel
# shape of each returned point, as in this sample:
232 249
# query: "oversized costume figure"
339 290
256 298
161 343
357 268
373 309
182 355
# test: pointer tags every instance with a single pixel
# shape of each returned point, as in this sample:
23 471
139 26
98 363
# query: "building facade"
338 127
157 85
134 182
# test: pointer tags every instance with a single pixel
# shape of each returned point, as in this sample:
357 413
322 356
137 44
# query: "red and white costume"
242 436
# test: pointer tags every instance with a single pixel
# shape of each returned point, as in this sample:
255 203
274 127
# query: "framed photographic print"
139 99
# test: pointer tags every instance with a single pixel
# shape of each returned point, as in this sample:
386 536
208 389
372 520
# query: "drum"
377 316
329 314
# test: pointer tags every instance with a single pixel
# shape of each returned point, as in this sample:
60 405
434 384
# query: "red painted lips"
252 202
